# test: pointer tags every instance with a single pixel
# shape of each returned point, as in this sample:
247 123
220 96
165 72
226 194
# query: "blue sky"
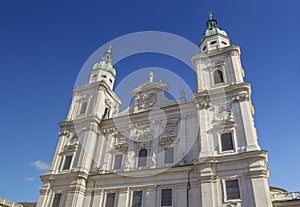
43 45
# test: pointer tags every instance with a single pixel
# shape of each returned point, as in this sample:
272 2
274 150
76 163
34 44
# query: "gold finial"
210 15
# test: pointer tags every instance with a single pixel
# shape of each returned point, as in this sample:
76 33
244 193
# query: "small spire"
210 14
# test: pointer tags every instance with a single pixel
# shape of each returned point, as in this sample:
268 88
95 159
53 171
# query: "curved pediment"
149 95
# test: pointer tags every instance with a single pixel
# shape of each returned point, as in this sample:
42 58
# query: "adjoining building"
162 152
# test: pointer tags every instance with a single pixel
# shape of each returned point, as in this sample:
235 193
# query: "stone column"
123 199
76 193
88 142
261 192
180 195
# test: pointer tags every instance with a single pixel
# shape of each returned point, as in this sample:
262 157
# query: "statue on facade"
153 159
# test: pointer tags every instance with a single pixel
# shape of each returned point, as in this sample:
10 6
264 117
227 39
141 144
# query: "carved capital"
167 140
203 105
241 97
70 148
143 135
91 128
234 53
222 113
121 144
63 132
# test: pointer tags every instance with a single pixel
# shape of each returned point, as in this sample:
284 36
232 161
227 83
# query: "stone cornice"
251 155
62 176
262 173
233 50
99 85
141 173
81 121
105 87
188 108
233 92
86 87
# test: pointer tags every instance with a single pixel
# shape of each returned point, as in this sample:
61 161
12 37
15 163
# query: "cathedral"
161 152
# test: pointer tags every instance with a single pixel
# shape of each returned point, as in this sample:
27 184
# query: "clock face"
152 99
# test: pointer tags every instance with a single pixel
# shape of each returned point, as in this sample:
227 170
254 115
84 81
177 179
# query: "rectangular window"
166 197
83 108
56 200
110 199
226 142
142 161
118 161
169 155
137 199
232 189
67 163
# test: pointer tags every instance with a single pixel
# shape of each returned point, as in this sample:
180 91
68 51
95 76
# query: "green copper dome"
106 63
212 29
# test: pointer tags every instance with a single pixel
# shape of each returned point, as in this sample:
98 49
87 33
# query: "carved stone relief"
223 117
143 135
145 101
222 113
170 132
121 142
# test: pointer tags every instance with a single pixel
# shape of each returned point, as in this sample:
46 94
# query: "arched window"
94 77
106 113
218 77
142 158
83 107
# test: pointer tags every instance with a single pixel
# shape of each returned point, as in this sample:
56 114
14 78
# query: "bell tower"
79 138
226 122
214 38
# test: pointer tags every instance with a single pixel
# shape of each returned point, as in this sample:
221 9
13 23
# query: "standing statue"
153 159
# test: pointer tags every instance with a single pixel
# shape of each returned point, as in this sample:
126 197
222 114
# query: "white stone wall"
200 169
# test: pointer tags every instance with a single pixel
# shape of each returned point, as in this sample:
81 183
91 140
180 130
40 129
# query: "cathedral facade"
162 152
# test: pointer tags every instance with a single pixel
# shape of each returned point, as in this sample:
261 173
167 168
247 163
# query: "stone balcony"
285 199
285 196
8 203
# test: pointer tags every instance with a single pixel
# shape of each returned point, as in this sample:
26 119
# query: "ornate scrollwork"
167 140
223 117
170 132
63 132
222 113
70 148
121 143
241 97
216 64
91 128
108 102
145 101
203 105
143 135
